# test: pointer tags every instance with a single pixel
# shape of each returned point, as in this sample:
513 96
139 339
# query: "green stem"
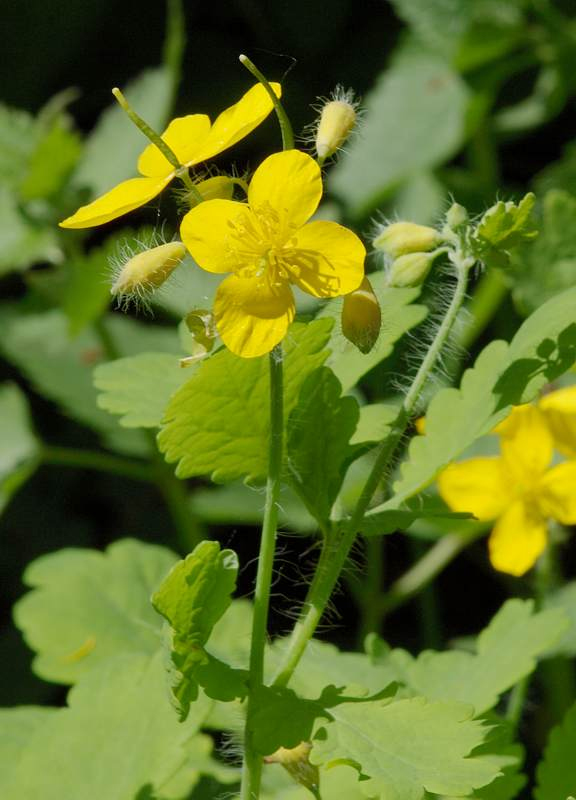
337 546
101 462
252 767
370 585
516 704
285 124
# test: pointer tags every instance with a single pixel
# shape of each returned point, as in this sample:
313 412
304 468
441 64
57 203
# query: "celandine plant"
270 395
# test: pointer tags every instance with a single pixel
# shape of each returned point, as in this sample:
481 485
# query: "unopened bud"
149 269
337 119
296 762
361 317
410 270
219 187
400 238
456 217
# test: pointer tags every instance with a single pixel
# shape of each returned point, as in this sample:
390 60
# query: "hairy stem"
337 546
252 766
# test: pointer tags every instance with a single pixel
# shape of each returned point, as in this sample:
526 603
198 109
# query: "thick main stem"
337 547
252 767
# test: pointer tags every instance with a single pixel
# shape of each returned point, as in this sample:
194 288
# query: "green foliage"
217 423
22 241
20 447
192 598
403 748
52 161
398 317
554 247
17 727
505 652
394 144
503 375
556 776
317 441
374 422
502 228
140 387
564 598
86 607
379 522
74 752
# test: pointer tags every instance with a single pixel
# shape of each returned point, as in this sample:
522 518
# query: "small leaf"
317 445
556 778
217 423
192 599
86 607
20 447
503 227
374 422
378 523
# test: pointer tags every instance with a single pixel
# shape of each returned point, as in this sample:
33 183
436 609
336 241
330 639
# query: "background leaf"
556 776
20 447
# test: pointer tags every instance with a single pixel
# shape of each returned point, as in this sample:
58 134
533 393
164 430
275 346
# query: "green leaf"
317 441
556 778
336 783
23 242
217 423
86 607
378 523
504 375
403 748
394 143
112 149
192 598
18 138
117 737
503 227
398 317
374 422
139 388
505 652
238 504
547 266
564 598
17 726
20 448
52 161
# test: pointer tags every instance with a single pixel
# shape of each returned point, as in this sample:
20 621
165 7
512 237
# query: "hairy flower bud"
361 317
337 119
400 238
148 270
410 269
456 217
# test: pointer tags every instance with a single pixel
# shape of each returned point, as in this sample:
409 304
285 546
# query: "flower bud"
219 187
149 269
410 270
296 762
400 238
337 119
361 317
456 217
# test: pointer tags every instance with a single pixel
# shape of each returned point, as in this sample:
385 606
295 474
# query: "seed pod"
400 238
361 317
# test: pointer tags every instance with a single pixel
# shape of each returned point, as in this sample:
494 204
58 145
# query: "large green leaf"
19 447
117 738
506 651
403 748
86 607
565 599
556 775
395 143
113 147
398 317
192 598
17 727
139 388
51 161
218 422
317 443
504 375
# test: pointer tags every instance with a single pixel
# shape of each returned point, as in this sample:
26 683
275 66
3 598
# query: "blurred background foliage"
466 100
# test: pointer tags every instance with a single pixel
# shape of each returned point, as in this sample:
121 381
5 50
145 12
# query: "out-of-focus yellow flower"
559 408
519 489
193 139
268 244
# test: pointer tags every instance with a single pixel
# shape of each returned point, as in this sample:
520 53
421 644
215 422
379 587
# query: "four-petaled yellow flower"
193 140
268 244
519 489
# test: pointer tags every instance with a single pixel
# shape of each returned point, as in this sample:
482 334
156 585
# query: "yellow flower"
268 244
193 140
519 489
559 408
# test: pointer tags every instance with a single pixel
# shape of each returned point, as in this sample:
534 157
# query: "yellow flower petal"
557 493
560 411
290 183
478 485
125 197
208 231
236 122
526 444
251 318
518 539
328 259
184 135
